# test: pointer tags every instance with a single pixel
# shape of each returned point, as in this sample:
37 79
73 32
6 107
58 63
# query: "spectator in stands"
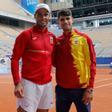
35 46
2 61
75 64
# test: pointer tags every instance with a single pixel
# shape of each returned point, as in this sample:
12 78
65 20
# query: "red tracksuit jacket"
34 46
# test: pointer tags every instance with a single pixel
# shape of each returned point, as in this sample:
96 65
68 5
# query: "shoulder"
24 34
26 31
60 37
51 34
84 35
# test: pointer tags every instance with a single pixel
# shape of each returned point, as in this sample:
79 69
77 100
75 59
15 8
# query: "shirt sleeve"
54 57
93 63
18 50
54 44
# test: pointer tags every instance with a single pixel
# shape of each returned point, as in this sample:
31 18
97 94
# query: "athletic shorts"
36 96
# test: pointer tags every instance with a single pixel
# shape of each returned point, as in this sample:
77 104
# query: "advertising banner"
29 5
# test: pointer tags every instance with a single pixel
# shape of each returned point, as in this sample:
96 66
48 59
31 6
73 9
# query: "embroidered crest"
58 43
51 40
76 40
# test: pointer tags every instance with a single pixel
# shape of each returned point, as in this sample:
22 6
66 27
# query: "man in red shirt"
75 64
34 47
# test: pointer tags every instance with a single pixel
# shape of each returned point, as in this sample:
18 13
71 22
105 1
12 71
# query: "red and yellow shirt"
75 61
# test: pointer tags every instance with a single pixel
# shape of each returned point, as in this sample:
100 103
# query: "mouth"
66 26
42 24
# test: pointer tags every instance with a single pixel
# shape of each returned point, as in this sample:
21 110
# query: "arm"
54 56
18 50
88 95
93 63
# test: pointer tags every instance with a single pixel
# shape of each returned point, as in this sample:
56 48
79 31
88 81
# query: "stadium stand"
9 29
13 19
102 35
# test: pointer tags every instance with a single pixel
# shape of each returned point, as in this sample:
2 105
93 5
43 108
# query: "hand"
88 96
18 91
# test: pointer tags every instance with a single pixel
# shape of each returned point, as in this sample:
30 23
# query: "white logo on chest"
34 38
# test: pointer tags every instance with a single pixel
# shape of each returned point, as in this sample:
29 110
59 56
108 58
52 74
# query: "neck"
68 31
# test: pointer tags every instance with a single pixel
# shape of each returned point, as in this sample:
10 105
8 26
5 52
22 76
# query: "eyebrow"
67 18
40 14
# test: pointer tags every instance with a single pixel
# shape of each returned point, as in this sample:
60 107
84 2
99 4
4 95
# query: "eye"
43 15
39 14
67 18
47 14
61 19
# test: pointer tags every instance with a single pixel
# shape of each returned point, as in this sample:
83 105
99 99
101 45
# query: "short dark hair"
64 12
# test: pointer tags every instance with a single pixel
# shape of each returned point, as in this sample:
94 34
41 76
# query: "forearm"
15 71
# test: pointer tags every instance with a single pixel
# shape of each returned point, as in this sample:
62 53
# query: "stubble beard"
41 25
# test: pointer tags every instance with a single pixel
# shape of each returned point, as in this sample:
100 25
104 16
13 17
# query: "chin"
66 29
42 25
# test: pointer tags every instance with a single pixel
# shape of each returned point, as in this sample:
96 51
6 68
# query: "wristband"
89 90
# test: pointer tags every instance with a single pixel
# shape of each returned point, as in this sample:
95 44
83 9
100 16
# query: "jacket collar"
37 29
68 34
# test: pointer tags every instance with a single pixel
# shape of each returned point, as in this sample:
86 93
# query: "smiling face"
65 22
42 17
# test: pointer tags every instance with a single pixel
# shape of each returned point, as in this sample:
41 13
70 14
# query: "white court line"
103 80
104 85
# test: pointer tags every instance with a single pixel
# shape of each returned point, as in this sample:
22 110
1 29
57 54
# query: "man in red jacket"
34 46
75 64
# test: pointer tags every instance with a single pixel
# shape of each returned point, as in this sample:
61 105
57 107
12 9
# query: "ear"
50 16
72 19
58 21
35 15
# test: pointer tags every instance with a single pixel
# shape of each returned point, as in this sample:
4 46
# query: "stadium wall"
104 60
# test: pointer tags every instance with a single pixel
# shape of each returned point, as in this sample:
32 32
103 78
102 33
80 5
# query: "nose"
43 16
65 20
